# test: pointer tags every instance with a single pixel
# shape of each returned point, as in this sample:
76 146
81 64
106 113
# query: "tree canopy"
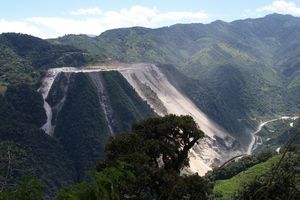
154 152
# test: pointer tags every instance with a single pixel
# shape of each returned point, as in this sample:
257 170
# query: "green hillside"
249 68
81 131
276 135
22 57
128 107
276 177
81 126
25 150
229 187
238 73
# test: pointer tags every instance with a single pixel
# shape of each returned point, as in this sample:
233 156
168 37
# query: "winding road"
259 128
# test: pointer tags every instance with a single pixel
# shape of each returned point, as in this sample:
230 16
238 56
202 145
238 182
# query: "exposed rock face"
217 147
44 90
164 98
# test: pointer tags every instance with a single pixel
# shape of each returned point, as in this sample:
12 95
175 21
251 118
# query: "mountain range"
240 70
239 74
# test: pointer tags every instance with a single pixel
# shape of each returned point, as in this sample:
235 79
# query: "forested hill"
238 73
78 142
248 68
267 40
22 56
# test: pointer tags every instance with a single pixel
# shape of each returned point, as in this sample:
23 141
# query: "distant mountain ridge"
23 56
237 73
249 68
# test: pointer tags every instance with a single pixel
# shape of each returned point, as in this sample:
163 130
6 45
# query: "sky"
54 18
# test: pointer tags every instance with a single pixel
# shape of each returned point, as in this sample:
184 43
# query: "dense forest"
254 79
25 149
146 164
241 70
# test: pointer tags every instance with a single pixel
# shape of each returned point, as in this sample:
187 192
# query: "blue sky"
46 19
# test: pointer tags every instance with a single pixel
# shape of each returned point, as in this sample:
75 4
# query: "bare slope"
153 86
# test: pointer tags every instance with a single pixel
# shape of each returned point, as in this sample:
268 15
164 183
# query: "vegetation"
106 184
155 152
25 150
228 188
127 106
80 135
28 189
22 58
280 182
256 75
233 168
81 127
235 72
277 178
28 102
276 134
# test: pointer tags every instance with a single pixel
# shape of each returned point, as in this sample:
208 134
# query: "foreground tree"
29 189
103 185
157 149
166 141
153 153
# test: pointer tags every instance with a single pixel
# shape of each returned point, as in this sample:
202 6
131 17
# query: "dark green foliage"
58 89
242 70
128 107
169 137
211 99
28 148
283 135
277 134
106 184
143 177
189 187
57 94
274 178
81 127
28 189
235 167
36 153
21 57
8 115
233 72
41 53
83 42
21 104
28 102
13 164
156 150
174 137
285 185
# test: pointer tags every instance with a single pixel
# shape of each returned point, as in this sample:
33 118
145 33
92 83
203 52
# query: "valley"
75 104
255 139
218 145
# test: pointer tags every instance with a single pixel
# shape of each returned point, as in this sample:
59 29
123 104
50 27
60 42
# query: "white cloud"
87 11
61 26
281 6
21 27
104 20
